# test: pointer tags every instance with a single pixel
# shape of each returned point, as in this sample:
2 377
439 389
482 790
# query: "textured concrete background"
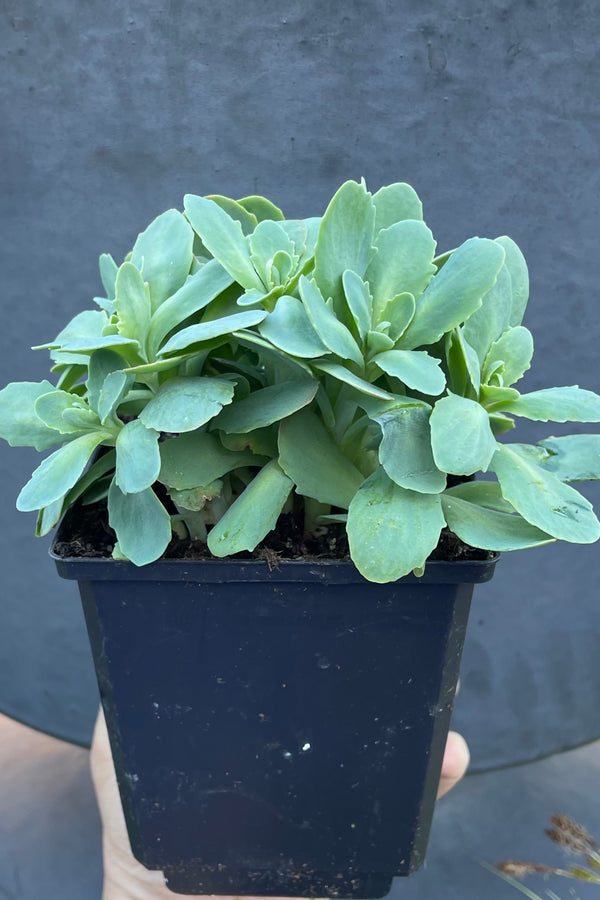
111 112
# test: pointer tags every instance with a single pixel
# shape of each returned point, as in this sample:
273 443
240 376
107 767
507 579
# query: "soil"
85 532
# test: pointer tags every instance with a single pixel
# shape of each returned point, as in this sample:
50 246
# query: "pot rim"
216 571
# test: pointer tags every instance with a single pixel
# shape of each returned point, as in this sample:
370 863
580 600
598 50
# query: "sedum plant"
241 365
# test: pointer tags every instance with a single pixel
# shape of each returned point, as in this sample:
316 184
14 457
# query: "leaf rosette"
241 365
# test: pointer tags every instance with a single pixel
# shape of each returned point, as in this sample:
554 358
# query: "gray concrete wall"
110 112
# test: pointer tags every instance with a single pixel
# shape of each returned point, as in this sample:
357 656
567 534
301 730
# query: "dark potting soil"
85 532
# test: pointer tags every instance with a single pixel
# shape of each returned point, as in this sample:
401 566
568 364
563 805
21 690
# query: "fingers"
455 764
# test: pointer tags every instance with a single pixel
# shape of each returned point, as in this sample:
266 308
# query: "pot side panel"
277 727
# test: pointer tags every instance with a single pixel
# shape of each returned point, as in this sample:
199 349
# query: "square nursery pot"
276 732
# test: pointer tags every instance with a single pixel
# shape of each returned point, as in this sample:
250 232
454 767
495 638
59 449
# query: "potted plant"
266 435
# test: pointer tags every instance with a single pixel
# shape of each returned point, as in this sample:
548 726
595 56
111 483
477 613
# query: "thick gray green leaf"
531 452
442 258
108 274
98 491
94 474
311 458
464 370
102 363
399 312
141 523
489 528
69 376
160 365
559 404
138 457
82 347
262 442
196 498
541 498
495 398
482 493
19 424
87 324
379 342
261 208
415 368
295 366
282 267
183 404
515 349
574 457
265 406
486 324
289 328
304 233
224 238
163 253
115 387
330 330
236 211
375 407
461 437
359 300
107 305
197 458
403 263
265 243
514 262
58 473
297 232
392 530
198 291
455 292
253 514
81 418
394 203
49 517
405 450
345 238
132 303
313 226
500 424
343 374
253 297
50 408
207 331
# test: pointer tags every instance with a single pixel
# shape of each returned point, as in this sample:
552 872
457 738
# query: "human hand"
127 879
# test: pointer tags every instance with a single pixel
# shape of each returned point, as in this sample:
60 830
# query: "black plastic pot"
276 732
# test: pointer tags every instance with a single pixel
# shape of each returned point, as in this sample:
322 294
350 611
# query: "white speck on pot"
305 747
286 754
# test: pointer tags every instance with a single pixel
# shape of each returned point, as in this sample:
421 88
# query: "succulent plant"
242 364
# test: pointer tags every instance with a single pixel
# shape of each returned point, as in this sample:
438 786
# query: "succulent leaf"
253 514
163 253
392 530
